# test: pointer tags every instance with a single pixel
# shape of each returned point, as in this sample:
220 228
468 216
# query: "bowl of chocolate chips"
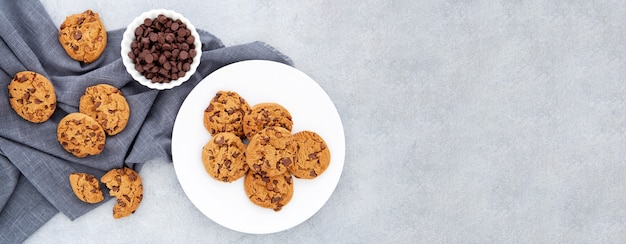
161 49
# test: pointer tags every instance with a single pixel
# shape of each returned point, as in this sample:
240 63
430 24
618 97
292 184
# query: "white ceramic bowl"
129 36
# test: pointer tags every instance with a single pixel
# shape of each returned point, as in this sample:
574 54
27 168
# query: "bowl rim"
129 36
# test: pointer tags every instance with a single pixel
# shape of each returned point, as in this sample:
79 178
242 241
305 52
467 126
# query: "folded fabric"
34 168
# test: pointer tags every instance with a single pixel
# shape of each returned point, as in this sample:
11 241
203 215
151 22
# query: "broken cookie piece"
86 187
124 184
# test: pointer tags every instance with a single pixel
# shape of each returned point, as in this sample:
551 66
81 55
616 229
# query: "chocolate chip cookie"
269 192
81 135
271 151
83 36
124 184
312 155
86 187
264 115
107 105
224 157
225 113
32 96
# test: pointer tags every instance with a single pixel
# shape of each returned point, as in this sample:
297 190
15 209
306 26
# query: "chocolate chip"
312 173
78 34
313 156
285 161
183 55
132 176
209 108
220 141
22 78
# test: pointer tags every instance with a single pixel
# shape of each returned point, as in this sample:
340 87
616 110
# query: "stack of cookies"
272 155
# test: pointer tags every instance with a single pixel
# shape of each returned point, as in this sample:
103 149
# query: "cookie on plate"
86 187
32 96
81 135
269 192
124 184
224 157
107 105
264 115
271 151
312 155
225 113
83 36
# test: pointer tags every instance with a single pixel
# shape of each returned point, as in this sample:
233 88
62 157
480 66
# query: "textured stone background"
465 121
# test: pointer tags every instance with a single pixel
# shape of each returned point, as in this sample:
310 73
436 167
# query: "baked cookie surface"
32 96
264 115
225 113
81 135
83 36
312 155
124 184
86 187
269 192
224 157
271 151
107 105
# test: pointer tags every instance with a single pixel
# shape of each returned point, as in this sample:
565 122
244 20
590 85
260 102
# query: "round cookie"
32 96
86 187
107 105
83 36
264 115
271 151
81 135
224 157
225 113
124 184
312 155
269 192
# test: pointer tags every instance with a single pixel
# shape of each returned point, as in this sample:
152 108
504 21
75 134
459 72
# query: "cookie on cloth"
312 155
269 192
124 184
83 36
224 157
225 113
107 105
86 187
271 151
264 115
81 135
32 96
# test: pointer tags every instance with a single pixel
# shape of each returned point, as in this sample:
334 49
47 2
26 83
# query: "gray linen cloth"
34 168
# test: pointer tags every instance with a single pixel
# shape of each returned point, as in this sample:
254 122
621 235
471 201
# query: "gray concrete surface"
465 121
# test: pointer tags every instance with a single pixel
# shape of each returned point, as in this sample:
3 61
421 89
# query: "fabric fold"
34 167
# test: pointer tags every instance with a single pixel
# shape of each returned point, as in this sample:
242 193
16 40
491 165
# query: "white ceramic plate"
257 81
129 36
